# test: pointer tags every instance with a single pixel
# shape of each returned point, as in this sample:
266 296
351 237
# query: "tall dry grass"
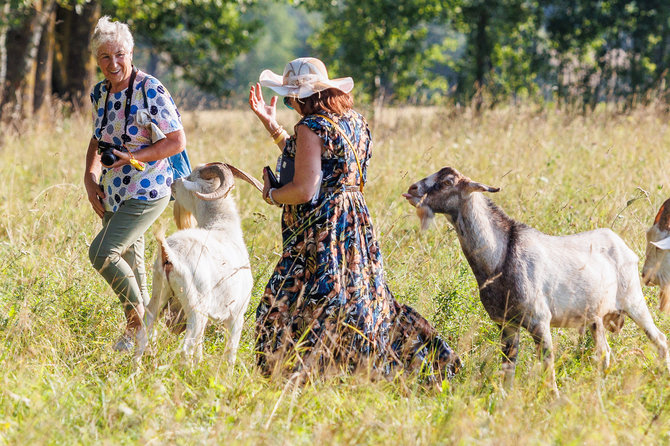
61 383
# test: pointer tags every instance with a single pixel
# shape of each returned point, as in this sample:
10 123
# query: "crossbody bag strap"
129 98
346 138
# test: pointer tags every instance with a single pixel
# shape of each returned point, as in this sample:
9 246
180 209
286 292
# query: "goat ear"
473 186
662 244
190 185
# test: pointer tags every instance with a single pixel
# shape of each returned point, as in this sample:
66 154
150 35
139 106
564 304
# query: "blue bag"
181 166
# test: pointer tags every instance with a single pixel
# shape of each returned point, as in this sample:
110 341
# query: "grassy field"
60 383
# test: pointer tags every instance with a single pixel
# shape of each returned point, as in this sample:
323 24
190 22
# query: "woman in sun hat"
327 305
133 112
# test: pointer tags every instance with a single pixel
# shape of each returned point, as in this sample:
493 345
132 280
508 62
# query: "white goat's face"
656 269
442 193
182 191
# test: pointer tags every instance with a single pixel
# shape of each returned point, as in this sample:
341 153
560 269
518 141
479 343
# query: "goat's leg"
510 350
541 333
159 296
235 330
664 298
193 338
602 348
641 316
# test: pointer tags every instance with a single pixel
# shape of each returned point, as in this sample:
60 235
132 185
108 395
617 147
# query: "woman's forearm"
93 166
172 144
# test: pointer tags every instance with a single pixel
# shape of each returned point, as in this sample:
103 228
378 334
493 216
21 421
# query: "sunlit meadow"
60 383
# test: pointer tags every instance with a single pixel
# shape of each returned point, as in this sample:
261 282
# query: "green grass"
62 384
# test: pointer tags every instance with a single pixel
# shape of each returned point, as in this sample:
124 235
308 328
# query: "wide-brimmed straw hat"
302 78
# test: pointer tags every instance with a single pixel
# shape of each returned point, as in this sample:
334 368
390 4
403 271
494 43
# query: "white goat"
536 281
656 269
203 271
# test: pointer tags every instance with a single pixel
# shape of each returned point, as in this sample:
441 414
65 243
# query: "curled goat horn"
213 170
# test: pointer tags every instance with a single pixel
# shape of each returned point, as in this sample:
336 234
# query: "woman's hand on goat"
266 113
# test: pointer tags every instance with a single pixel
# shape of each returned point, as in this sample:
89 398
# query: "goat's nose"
413 188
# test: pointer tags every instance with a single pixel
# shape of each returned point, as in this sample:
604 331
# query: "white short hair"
108 31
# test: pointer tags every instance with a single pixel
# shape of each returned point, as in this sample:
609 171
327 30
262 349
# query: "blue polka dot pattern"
125 182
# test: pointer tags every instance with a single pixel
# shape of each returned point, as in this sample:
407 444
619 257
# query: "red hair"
331 100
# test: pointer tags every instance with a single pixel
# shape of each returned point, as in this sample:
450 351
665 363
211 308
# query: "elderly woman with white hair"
327 305
136 127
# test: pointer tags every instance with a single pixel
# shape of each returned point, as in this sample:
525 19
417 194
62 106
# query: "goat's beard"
183 218
426 216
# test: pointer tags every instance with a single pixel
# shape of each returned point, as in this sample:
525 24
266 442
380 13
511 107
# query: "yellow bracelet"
282 135
277 131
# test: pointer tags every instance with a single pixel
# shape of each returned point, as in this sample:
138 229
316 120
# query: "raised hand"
266 113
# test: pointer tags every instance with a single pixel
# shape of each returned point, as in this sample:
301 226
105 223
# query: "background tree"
610 50
502 54
201 37
23 28
383 44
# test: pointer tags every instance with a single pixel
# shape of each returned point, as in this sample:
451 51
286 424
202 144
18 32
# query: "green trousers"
117 252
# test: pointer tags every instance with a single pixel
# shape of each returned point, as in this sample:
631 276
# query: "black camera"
106 151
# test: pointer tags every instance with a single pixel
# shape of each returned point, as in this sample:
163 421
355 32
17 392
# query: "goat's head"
443 193
656 269
209 182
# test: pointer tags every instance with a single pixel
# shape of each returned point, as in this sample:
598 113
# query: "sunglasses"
287 102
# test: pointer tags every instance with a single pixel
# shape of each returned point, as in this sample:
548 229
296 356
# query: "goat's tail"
166 254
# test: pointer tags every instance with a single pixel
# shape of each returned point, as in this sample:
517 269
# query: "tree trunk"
4 27
43 88
75 68
23 44
482 55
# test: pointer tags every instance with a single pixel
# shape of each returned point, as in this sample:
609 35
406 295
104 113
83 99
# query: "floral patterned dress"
327 305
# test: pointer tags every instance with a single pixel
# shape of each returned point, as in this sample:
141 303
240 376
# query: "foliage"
617 49
283 37
202 37
382 44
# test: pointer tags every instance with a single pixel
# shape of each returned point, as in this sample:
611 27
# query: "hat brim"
275 82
